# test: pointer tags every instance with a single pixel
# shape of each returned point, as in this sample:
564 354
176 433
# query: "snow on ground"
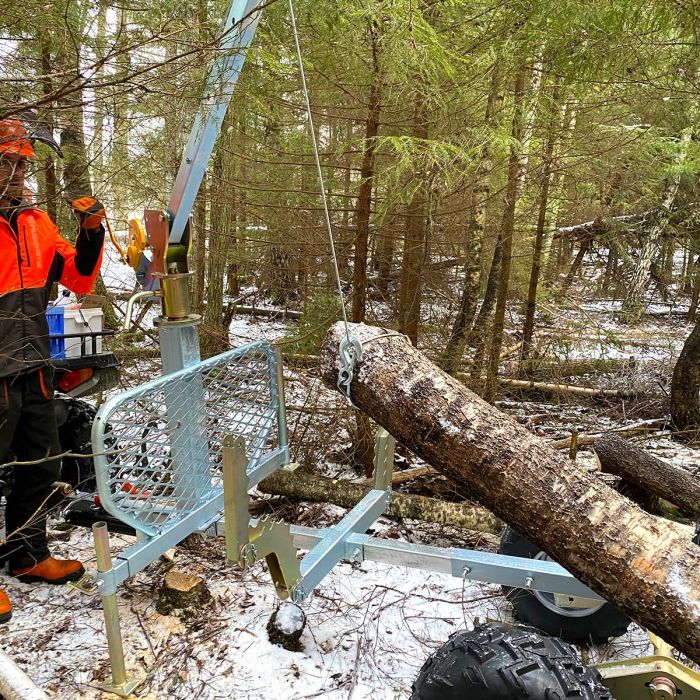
370 627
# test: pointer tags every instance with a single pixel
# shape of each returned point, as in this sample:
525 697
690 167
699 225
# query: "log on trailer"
646 566
633 464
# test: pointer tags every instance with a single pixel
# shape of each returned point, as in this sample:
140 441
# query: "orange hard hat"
15 140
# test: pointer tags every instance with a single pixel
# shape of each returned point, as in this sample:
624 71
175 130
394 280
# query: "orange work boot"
5 607
50 571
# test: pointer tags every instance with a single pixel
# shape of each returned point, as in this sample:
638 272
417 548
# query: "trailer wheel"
498 662
75 419
540 609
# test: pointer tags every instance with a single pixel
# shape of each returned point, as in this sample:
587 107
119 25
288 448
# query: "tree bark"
312 487
531 305
633 306
487 303
478 199
685 385
647 567
516 173
415 242
50 179
182 591
576 264
695 296
386 256
214 336
364 196
625 459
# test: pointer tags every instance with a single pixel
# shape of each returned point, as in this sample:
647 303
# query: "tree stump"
286 625
182 592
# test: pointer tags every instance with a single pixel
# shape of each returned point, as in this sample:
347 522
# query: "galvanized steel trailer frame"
174 466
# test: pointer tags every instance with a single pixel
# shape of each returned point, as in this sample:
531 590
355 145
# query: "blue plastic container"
57 346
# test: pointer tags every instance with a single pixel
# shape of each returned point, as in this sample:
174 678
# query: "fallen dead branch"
304 486
550 388
646 426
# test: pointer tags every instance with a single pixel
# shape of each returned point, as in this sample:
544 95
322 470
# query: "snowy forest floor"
370 626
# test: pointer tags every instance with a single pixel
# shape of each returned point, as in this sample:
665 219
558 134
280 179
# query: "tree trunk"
516 173
364 196
386 256
531 305
50 179
345 244
199 257
576 264
551 388
695 296
312 487
415 242
76 174
685 385
568 128
214 335
633 306
625 459
647 567
610 267
479 196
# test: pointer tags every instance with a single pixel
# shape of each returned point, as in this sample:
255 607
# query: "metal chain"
350 350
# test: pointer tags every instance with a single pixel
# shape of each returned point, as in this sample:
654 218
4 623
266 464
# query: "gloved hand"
90 211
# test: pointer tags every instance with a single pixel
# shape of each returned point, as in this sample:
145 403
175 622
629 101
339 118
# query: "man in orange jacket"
33 255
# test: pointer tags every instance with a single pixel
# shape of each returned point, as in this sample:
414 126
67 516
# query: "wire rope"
324 198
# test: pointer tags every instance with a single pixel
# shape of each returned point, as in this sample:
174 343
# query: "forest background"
476 155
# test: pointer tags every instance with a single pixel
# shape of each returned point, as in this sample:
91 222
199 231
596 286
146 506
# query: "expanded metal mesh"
159 445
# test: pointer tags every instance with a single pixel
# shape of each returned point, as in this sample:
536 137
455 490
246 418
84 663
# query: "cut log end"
286 626
182 592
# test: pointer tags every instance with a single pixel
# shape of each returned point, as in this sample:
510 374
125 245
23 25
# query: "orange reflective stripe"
43 386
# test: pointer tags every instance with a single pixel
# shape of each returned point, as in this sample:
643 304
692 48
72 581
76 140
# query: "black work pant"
28 433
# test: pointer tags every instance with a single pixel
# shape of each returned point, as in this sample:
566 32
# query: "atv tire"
499 662
539 609
75 418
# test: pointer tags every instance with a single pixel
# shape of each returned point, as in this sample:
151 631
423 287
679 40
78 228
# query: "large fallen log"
633 464
646 566
344 493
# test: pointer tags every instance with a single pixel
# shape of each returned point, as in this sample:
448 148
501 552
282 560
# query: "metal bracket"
275 543
234 464
333 547
650 677
383 460
123 690
87 584
350 352
573 601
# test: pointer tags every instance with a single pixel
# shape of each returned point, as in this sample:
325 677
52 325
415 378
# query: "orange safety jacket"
34 255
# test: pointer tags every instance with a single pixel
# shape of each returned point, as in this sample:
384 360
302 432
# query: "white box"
77 320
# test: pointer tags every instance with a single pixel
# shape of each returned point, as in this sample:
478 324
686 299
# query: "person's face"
12 171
